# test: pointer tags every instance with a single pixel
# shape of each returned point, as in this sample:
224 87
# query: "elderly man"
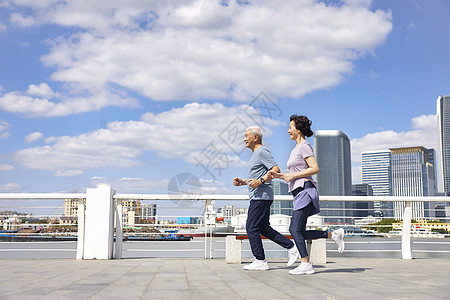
261 198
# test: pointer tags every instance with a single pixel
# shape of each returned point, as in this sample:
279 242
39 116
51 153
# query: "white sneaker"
303 268
292 255
257 265
338 237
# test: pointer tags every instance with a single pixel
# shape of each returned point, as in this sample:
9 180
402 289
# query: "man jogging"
261 198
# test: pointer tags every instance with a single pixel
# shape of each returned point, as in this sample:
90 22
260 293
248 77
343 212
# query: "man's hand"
238 181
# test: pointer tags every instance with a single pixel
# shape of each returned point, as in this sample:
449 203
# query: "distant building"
376 171
131 212
148 212
412 175
188 220
71 207
229 211
332 152
361 209
443 116
281 207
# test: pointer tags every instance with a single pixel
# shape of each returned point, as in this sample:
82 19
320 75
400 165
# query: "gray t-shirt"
258 165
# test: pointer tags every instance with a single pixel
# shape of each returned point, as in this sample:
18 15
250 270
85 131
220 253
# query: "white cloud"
34 136
9 187
22 21
68 173
6 167
179 132
42 90
17 102
132 185
197 49
4 129
423 133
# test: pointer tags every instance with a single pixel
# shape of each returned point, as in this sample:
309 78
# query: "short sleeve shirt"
258 165
297 163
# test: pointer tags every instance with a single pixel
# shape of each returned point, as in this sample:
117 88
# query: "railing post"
119 229
81 218
406 232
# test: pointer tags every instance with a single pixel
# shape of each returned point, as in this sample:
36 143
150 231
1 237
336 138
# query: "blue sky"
132 94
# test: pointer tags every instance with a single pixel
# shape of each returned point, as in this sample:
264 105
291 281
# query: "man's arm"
254 183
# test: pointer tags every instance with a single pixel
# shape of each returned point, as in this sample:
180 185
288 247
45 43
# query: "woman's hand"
271 175
285 176
288 176
254 183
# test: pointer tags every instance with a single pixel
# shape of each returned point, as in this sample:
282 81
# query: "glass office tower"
281 207
412 175
332 151
376 171
443 116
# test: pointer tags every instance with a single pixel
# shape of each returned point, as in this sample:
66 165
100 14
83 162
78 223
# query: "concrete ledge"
317 250
233 250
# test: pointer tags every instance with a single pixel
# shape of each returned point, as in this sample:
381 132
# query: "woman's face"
293 132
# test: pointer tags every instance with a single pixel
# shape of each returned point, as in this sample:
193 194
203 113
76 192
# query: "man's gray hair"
256 130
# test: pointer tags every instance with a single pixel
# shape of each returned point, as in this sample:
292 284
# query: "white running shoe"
257 265
292 255
338 237
303 268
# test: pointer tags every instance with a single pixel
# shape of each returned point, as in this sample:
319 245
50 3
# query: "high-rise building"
332 151
281 207
443 116
412 175
361 209
376 171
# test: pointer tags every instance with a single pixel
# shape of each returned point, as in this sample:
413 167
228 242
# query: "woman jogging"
302 165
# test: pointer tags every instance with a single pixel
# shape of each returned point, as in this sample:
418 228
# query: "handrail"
406 247
39 196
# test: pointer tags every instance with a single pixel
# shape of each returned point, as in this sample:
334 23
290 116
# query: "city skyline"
443 116
134 94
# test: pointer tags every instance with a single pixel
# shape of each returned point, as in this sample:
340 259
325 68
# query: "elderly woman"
302 165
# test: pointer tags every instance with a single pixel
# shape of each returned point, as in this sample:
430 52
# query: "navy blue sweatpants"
299 232
258 224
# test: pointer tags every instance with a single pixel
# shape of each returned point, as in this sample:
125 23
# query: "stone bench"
317 250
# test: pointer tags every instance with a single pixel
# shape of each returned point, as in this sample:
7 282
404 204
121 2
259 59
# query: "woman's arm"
313 169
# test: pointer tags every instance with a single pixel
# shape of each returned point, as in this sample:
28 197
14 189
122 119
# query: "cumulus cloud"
68 173
4 129
131 185
22 21
42 90
423 133
197 49
9 187
194 129
34 136
6 167
44 106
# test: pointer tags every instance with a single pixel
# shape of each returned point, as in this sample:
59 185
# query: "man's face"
249 139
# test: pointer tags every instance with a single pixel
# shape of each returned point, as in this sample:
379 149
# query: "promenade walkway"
177 278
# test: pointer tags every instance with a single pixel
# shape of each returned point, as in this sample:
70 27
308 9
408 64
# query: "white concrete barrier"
98 224
233 250
317 250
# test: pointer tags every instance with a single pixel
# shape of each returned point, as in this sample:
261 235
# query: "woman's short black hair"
303 124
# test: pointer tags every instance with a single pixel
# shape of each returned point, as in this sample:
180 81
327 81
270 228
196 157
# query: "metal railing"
207 222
